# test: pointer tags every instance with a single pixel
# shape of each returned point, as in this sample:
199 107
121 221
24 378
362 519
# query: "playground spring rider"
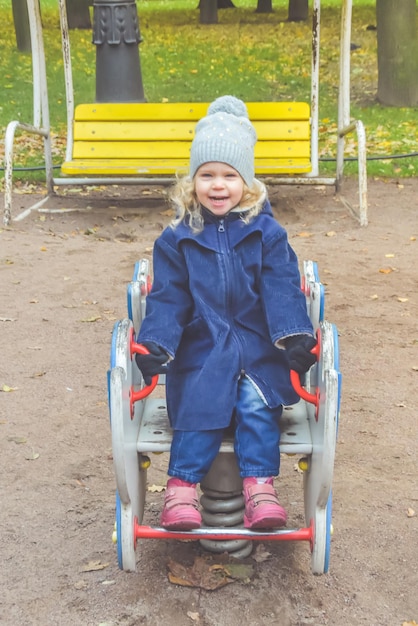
140 426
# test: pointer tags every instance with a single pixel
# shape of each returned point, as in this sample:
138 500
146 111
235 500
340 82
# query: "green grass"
254 56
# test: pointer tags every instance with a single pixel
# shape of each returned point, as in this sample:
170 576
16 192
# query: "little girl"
225 320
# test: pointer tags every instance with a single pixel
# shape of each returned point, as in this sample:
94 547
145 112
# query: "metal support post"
223 505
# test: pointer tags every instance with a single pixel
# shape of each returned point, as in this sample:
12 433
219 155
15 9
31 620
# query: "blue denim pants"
256 440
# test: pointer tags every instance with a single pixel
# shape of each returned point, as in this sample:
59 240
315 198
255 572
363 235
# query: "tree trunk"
298 10
264 6
208 12
21 22
78 13
397 52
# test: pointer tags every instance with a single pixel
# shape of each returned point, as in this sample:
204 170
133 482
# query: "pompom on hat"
225 135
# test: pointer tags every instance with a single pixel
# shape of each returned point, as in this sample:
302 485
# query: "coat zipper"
230 286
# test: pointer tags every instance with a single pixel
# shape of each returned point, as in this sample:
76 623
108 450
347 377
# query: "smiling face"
218 187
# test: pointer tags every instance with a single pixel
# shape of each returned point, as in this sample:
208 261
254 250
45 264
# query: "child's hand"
299 353
153 363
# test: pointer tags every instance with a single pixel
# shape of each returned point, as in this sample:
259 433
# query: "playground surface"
63 278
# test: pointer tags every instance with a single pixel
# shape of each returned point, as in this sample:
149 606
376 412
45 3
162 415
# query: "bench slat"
164 167
181 131
176 149
186 111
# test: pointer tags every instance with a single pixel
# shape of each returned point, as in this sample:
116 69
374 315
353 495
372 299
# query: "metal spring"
220 513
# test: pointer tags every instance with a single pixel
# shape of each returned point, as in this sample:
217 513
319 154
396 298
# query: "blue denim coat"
220 300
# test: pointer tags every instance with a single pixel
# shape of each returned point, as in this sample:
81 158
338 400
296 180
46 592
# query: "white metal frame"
41 124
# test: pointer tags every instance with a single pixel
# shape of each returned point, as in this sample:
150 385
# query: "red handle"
312 398
138 348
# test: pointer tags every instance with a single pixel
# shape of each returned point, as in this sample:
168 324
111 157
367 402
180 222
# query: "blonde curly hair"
184 199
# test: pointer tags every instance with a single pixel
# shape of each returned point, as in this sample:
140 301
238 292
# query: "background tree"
264 6
208 11
21 24
78 13
397 52
298 10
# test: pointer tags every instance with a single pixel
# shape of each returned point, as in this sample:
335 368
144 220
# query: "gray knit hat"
225 135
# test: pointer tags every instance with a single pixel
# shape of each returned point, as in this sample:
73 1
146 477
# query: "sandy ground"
63 280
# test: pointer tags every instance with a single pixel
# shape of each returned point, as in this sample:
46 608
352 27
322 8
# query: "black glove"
153 363
299 353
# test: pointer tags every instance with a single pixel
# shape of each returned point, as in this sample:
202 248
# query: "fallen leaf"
17 439
374 297
122 237
156 488
92 319
81 584
38 374
330 233
7 389
410 512
402 299
304 233
32 456
207 575
94 566
238 571
195 617
389 256
168 213
260 554
386 270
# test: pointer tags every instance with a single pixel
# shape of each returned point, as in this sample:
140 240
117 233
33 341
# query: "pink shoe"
180 510
262 508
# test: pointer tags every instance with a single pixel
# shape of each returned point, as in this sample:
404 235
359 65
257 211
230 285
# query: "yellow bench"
149 140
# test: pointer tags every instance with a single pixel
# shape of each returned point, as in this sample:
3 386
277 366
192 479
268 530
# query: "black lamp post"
116 36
